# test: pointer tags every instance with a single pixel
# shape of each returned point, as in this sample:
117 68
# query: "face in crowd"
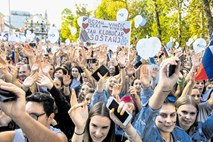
111 70
187 110
75 73
37 112
137 84
200 86
111 82
196 95
24 72
166 120
99 128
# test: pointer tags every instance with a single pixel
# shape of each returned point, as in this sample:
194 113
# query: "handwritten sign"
105 32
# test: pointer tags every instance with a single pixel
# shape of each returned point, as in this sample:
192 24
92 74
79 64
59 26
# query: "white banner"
105 32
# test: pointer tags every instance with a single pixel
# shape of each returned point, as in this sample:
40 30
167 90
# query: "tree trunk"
157 19
208 16
179 4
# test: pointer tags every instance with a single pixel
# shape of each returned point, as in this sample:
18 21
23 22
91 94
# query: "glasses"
35 115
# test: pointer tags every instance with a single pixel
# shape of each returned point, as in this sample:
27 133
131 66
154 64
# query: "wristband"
80 134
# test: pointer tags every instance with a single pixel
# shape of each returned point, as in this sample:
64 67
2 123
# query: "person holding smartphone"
158 116
98 124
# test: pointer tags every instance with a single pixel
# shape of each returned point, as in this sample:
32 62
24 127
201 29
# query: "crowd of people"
58 100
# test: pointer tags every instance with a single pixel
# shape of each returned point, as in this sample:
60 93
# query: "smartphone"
6 96
138 64
91 61
102 70
171 68
32 44
125 118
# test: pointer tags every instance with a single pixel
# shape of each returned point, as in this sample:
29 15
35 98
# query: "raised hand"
66 80
28 51
145 76
30 80
14 109
116 90
154 72
44 81
78 112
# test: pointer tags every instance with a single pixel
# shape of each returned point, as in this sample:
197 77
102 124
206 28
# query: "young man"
34 118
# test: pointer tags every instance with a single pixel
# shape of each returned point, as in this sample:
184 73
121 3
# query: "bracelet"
80 134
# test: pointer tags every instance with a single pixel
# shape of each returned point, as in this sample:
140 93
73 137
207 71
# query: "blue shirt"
203 131
148 131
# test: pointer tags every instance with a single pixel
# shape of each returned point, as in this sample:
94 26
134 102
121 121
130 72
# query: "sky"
53 7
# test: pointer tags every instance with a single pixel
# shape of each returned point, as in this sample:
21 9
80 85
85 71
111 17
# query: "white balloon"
143 22
73 30
53 35
138 19
148 47
122 15
199 45
155 44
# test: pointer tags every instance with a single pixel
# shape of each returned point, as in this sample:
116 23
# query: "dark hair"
60 68
101 110
45 99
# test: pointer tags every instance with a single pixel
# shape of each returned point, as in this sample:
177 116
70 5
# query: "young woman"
97 125
156 120
187 110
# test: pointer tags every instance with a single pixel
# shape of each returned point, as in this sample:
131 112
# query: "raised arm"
34 130
165 84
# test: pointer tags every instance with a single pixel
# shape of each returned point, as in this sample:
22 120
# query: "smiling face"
200 86
111 82
166 120
186 116
99 127
137 84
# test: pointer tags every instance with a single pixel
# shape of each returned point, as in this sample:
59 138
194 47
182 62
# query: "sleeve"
98 97
208 127
144 121
146 94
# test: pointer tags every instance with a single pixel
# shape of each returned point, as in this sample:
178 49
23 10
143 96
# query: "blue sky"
53 7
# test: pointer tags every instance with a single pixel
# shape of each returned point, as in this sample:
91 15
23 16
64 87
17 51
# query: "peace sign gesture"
78 112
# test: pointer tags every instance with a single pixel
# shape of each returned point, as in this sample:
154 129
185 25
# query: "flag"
205 70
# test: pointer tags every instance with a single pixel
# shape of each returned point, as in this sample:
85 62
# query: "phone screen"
6 96
115 105
91 61
102 70
137 64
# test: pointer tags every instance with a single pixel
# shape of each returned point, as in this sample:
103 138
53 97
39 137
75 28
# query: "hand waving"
78 112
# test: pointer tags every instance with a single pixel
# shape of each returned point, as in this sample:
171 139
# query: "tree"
209 17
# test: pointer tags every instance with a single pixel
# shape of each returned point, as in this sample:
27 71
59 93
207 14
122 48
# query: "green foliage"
180 19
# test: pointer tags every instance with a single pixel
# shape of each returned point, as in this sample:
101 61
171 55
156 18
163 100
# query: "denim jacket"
203 131
148 131
145 94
